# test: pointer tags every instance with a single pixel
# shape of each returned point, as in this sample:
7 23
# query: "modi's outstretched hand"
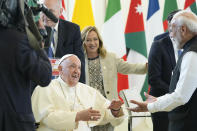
142 106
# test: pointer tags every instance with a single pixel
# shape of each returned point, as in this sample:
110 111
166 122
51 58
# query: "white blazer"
110 66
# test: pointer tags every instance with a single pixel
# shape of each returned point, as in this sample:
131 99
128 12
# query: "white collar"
66 86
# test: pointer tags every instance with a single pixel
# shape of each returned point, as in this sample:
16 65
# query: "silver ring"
92 117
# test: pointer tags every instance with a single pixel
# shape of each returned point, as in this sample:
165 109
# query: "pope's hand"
115 105
88 115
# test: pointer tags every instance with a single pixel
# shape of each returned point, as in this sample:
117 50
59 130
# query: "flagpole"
122 95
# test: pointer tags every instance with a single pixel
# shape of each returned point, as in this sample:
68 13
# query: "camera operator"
20 64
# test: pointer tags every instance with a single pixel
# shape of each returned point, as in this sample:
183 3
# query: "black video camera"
18 15
42 8
8 13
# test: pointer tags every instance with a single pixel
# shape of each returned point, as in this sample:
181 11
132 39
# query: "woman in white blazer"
101 67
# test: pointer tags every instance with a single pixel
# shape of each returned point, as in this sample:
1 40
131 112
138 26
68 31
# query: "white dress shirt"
186 86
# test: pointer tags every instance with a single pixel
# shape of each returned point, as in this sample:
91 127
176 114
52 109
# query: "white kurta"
185 87
56 106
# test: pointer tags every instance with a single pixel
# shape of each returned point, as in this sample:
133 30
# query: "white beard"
175 42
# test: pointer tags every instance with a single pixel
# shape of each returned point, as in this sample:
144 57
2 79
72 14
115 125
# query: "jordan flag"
136 42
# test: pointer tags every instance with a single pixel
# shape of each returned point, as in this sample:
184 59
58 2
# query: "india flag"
190 5
83 14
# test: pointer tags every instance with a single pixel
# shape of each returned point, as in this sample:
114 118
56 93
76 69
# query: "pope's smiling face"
70 70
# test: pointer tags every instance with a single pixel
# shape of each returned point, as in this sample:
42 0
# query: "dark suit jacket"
19 64
158 37
161 62
69 42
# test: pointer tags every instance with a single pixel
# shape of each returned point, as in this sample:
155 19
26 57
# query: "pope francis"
68 105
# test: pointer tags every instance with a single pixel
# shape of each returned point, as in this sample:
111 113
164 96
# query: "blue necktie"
179 53
50 52
52 47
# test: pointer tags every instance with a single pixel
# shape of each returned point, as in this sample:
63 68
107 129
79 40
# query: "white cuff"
150 107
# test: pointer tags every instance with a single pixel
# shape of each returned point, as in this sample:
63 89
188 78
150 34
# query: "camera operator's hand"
42 30
88 115
42 44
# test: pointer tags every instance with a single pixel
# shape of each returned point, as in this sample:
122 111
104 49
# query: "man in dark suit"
161 62
19 65
158 37
67 36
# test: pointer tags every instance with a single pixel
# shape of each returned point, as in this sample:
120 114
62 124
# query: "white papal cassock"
55 107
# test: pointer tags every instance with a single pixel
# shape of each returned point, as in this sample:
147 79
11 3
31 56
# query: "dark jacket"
161 62
163 35
19 64
69 42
